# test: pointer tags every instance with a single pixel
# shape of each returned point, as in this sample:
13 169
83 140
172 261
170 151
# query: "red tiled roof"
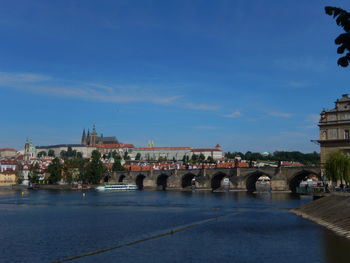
164 148
7 149
115 145
12 162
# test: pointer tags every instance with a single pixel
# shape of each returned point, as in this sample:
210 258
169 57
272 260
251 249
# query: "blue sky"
249 75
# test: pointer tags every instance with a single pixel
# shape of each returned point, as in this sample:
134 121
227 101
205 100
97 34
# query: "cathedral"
91 139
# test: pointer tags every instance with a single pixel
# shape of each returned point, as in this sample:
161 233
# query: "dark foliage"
342 19
304 158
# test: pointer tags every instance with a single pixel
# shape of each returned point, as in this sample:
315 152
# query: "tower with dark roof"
93 136
83 138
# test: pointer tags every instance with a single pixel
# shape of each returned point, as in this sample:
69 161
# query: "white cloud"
43 84
302 64
294 134
280 114
312 118
201 106
311 121
297 84
234 114
15 78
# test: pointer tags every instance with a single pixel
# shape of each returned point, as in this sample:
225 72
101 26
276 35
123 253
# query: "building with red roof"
7 152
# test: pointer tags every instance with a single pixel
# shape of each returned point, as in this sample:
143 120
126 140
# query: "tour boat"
117 187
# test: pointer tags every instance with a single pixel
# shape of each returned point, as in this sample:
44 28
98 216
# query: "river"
44 226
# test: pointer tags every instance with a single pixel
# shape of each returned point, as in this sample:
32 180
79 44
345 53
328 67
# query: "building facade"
152 153
334 127
214 153
7 152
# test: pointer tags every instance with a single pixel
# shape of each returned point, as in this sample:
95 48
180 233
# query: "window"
324 135
333 134
345 116
332 117
346 134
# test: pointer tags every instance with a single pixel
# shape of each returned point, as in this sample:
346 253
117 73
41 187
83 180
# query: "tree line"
278 156
72 167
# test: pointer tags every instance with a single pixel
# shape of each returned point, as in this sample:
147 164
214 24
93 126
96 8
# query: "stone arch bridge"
282 178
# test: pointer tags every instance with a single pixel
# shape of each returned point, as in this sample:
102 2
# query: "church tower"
88 138
93 136
83 138
29 150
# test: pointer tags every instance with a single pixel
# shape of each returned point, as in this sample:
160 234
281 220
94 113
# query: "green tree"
210 159
194 157
34 173
337 167
51 153
201 157
138 156
95 169
126 156
117 166
63 154
41 154
82 165
342 19
55 171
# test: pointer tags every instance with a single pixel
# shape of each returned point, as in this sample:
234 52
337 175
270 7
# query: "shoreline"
331 212
92 187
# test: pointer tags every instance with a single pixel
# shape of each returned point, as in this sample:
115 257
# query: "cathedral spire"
83 138
94 130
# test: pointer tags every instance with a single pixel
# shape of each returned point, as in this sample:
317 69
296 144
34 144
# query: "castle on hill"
92 139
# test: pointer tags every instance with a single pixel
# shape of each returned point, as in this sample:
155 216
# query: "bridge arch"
139 181
300 176
121 178
186 180
216 180
162 181
252 178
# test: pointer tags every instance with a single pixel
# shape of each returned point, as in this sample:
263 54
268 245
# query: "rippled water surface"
43 226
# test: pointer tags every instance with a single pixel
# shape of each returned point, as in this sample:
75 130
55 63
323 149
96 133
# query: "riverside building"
334 128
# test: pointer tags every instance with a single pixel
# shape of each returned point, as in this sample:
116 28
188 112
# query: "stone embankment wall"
331 211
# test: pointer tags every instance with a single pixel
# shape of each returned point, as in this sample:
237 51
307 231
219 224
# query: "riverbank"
332 212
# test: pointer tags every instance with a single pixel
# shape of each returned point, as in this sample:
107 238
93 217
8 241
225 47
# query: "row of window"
333 134
341 116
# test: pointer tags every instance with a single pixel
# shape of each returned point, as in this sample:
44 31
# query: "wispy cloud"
311 121
201 106
294 134
297 84
38 83
234 114
312 64
280 114
17 78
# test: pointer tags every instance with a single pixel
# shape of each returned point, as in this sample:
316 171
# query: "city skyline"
181 74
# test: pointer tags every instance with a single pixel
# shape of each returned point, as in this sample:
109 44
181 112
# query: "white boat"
117 187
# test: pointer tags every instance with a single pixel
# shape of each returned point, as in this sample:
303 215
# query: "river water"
44 226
